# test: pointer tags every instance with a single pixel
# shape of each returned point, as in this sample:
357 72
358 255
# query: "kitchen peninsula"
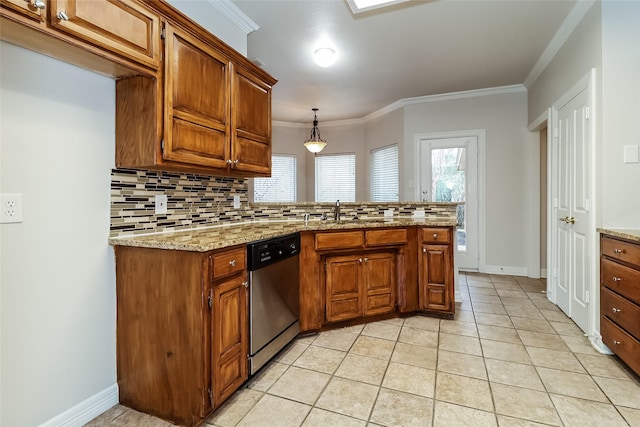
182 297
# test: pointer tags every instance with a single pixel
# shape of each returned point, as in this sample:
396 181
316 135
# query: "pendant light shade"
315 144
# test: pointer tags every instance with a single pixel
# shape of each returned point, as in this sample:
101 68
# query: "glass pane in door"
449 183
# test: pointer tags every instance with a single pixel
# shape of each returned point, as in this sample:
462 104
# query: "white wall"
57 269
288 139
504 117
620 112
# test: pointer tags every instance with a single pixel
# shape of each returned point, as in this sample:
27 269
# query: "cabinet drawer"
436 235
621 343
620 310
340 240
229 262
622 279
618 249
386 237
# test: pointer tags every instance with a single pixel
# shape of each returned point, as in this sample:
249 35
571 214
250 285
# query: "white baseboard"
505 270
596 342
86 410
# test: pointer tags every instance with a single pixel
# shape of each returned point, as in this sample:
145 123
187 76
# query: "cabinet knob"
435 235
245 284
232 263
615 310
235 162
424 250
617 279
360 260
366 260
616 342
62 16
618 251
39 4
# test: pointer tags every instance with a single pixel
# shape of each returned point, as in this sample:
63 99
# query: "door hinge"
586 296
210 300
162 146
587 113
163 33
210 393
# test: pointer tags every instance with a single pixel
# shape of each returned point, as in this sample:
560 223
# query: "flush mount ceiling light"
324 56
358 6
315 144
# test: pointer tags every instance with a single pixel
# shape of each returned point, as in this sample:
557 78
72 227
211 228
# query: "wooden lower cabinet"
436 272
620 298
181 330
360 285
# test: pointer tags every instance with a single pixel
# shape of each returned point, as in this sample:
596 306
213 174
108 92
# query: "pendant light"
315 144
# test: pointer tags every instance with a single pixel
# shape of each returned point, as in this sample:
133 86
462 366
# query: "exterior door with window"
449 173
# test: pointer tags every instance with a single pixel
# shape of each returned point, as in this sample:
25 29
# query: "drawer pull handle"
616 342
62 16
618 251
435 235
617 279
616 310
232 263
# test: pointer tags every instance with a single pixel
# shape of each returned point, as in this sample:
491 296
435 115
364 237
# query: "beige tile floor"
509 358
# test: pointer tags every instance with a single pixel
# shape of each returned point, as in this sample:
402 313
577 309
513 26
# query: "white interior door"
572 190
449 173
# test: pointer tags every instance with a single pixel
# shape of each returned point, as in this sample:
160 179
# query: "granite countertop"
629 233
218 237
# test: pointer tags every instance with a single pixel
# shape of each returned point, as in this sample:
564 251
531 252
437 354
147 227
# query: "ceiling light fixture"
324 56
358 6
315 144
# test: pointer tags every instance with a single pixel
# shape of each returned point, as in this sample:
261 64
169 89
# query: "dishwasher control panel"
266 252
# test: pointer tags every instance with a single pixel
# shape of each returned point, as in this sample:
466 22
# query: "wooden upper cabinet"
197 99
32 9
123 27
251 118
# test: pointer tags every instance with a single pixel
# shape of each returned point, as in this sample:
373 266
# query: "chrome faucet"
336 212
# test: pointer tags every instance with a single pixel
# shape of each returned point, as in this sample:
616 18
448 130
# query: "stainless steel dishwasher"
274 305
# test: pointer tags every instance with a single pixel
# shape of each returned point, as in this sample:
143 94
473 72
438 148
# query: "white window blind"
336 178
281 187
384 174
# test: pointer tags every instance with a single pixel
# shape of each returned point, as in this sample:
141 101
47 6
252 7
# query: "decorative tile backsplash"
195 201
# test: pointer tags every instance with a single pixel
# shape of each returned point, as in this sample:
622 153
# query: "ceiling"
413 49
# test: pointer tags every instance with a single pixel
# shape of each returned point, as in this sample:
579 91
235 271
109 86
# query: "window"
336 178
384 174
281 187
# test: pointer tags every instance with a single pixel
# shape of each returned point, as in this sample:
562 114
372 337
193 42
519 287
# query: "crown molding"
417 100
235 15
567 27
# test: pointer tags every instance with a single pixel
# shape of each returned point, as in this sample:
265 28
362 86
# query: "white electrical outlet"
161 204
11 205
236 202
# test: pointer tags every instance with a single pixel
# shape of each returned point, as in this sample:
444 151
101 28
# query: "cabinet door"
436 281
229 337
32 9
251 119
343 299
196 124
123 27
380 280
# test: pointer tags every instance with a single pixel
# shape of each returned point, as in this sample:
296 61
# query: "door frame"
587 82
481 137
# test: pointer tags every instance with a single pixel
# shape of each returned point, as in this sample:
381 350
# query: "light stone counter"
629 234
218 237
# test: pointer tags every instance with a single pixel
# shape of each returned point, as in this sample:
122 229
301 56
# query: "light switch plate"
632 154
161 204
